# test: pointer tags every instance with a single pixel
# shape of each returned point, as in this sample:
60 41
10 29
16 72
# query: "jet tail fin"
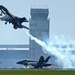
41 59
46 60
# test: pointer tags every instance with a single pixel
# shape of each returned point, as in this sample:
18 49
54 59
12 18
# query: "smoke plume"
62 49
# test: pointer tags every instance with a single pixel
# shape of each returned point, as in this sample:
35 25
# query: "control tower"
39 28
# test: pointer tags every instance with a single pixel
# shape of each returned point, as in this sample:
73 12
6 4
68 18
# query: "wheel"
15 27
5 22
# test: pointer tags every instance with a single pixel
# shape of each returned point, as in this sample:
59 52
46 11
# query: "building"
39 28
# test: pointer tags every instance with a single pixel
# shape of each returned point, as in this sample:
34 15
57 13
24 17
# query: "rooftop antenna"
34 6
47 6
31 6
38 6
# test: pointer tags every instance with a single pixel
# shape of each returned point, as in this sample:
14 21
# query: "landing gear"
15 27
5 22
9 22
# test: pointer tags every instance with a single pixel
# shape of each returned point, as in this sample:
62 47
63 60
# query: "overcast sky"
61 14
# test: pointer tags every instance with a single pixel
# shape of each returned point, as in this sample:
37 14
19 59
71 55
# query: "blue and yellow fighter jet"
36 64
8 17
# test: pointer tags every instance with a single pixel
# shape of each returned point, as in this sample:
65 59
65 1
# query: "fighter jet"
36 64
8 17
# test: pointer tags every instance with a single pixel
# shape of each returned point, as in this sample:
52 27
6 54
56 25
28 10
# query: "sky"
61 14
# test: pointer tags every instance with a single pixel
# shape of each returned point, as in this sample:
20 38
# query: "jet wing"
31 60
6 12
28 60
25 61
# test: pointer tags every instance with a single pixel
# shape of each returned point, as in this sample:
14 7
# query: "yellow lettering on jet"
10 14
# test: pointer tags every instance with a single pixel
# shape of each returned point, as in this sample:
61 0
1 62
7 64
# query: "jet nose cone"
18 62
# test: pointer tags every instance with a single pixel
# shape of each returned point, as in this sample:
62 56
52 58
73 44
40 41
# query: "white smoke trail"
63 55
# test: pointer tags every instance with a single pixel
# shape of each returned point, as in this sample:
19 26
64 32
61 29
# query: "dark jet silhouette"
36 64
8 17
